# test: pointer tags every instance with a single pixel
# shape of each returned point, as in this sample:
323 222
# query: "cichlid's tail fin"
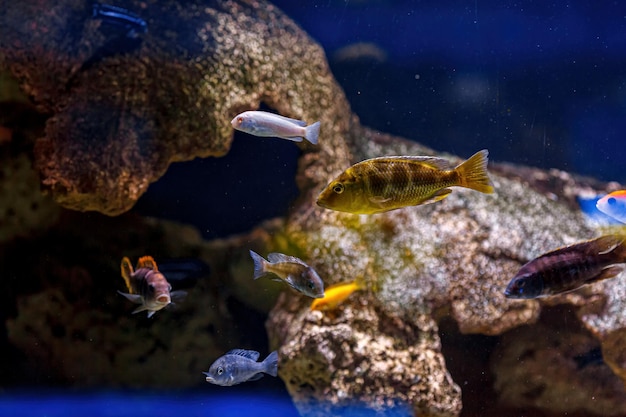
270 364
473 173
312 132
259 264
127 270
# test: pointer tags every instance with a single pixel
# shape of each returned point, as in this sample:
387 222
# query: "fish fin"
178 296
312 132
140 309
606 244
256 377
276 257
127 271
250 354
259 264
270 364
430 161
147 262
607 273
437 196
473 173
150 312
378 200
135 298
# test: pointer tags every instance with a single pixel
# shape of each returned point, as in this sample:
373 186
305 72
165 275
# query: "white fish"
261 123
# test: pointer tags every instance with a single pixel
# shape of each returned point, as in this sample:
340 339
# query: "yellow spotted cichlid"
335 295
392 182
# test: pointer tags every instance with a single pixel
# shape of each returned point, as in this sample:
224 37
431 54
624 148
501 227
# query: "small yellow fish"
392 182
335 295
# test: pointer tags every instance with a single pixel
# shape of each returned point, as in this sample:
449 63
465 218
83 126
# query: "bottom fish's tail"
259 264
312 132
270 364
473 173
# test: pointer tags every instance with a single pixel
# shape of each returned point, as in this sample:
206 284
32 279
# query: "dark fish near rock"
128 22
569 268
147 286
240 365
291 270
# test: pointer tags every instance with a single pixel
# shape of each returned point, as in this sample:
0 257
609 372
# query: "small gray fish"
261 123
291 270
240 365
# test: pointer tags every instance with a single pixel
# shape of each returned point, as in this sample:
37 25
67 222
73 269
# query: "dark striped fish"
569 268
392 182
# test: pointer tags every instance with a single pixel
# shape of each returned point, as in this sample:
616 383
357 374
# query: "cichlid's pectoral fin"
178 296
378 200
143 308
135 298
607 273
257 377
438 196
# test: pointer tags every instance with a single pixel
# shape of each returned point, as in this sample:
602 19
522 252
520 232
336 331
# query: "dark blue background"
538 83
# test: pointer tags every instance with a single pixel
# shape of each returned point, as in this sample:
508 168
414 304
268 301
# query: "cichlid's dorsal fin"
276 257
127 270
147 262
606 244
250 354
429 161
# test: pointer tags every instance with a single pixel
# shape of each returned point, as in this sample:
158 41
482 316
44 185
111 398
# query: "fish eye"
611 201
338 188
311 285
220 370
239 120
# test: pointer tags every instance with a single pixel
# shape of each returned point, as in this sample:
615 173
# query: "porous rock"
126 106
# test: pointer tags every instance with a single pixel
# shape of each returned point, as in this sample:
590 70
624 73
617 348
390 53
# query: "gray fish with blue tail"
291 270
240 365
569 268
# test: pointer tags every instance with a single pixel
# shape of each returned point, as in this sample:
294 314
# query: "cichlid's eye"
220 371
239 120
611 201
311 285
338 188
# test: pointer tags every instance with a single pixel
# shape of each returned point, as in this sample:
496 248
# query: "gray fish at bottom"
240 365
569 268
291 270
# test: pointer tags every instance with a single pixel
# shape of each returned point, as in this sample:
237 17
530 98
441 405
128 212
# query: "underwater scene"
312 208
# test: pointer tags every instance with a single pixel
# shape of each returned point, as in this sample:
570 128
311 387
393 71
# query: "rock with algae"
125 107
451 258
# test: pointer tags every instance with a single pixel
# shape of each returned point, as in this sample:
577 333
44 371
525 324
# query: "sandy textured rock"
124 109
362 359
561 371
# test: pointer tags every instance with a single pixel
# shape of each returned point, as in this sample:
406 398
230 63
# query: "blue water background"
537 83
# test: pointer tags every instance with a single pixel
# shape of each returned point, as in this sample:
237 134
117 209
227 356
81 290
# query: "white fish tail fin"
312 132
270 364
473 173
259 264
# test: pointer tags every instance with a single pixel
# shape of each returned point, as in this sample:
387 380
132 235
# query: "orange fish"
147 286
336 295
